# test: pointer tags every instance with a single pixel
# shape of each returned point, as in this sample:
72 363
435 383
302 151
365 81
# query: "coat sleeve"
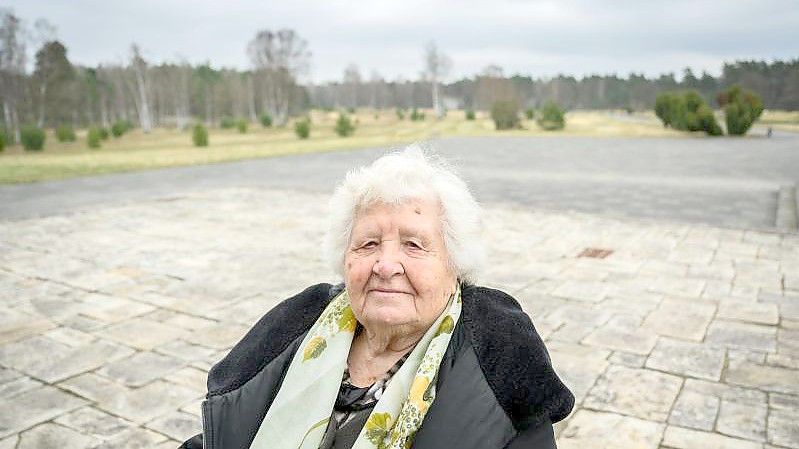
195 442
540 437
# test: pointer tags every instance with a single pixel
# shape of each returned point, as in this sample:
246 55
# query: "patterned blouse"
352 399
354 404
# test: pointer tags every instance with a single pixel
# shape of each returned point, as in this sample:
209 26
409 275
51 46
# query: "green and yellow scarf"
298 417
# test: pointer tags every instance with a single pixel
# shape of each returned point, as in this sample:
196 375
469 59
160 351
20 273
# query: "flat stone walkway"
686 336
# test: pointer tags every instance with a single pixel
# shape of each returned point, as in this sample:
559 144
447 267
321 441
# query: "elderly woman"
407 352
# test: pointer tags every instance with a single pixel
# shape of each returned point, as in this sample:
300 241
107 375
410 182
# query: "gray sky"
538 38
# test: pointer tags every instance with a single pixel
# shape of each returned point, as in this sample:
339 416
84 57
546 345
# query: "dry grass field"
784 120
171 147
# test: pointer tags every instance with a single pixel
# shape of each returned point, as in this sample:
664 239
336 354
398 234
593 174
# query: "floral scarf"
298 417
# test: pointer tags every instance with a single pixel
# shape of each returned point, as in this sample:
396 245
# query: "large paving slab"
116 313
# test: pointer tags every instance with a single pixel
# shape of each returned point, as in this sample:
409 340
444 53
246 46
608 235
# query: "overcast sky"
538 38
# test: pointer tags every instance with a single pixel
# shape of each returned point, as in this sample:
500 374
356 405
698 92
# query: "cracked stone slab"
218 336
177 425
581 291
51 435
695 410
783 427
687 359
602 430
90 421
578 366
137 438
637 392
183 320
769 378
678 287
190 377
33 407
141 333
111 309
750 312
726 392
637 342
681 438
783 401
138 405
70 336
185 351
15 325
742 335
742 420
48 360
18 385
681 319
140 368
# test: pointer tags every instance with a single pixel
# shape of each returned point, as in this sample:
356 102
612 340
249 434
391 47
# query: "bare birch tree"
377 87
352 85
12 68
437 66
278 59
139 67
182 86
251 97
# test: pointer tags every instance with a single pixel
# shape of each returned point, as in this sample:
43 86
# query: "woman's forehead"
409 217
420 206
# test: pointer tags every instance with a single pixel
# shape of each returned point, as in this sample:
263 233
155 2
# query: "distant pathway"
726 181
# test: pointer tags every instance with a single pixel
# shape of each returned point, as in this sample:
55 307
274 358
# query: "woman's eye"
413 245
370 244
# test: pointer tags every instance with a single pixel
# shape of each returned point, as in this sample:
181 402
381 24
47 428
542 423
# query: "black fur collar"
509 350
513 357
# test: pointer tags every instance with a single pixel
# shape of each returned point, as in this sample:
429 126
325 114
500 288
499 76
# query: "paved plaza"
114 306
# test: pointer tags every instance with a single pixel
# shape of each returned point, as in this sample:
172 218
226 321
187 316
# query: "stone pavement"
686 336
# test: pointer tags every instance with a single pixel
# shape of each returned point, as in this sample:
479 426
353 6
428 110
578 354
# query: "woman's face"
396 268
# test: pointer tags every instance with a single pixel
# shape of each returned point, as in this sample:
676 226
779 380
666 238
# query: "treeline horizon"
58 92
776 82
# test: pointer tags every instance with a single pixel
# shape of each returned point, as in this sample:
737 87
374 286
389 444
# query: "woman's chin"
387 318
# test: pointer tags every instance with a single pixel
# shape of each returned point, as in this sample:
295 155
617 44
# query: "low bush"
706 121
469 114
103 133
241 125
93 137
686 111
344 126
400 113
199 135
120 127
266 120
65 133
417 116
551 117
2 140
741 109
302 128
505 115
32 138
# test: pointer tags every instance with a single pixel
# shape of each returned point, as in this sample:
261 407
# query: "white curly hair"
410 173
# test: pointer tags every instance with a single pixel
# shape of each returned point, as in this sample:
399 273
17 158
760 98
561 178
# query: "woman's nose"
388 263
